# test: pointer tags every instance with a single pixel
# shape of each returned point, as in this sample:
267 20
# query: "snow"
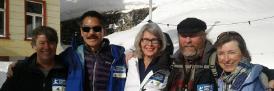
258 34
75 8
3 71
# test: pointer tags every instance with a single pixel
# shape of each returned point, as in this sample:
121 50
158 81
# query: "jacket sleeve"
269 73
75 72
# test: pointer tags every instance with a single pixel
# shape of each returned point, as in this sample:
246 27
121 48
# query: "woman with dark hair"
238 73
148 69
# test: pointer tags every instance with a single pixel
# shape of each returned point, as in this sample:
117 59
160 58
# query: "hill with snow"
252 18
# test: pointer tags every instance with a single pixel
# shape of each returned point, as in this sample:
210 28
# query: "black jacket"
28 77
179 80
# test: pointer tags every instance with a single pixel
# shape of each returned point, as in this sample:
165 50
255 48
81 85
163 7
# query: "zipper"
94 69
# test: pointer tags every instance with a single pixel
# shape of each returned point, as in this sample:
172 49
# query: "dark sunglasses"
94 29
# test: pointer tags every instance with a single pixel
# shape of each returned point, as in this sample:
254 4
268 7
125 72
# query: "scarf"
238 76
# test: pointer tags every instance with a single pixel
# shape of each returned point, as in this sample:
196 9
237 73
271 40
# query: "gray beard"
191 56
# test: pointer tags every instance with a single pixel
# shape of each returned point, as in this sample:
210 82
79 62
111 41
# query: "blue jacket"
74 57
252 83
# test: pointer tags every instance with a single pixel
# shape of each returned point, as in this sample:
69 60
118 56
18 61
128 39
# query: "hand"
129 54
10 69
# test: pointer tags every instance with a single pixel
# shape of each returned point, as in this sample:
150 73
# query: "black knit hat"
191 25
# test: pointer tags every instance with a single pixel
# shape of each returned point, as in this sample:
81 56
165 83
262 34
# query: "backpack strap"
212 62
264 79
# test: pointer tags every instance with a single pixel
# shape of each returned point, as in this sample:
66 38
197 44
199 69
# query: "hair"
92 14
233 36
155 30
49 32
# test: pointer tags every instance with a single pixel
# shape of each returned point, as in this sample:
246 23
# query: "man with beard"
188 66
194 67
95 65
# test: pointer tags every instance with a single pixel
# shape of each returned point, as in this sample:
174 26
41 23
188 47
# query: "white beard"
191 55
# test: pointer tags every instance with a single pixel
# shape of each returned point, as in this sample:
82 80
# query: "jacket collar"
33 62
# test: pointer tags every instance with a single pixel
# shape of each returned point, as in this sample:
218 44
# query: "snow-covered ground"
75 8
3 70
232 15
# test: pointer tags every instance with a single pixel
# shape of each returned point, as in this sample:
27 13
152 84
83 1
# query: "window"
34 16
2 18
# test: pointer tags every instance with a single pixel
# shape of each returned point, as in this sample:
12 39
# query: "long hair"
233 36
156 31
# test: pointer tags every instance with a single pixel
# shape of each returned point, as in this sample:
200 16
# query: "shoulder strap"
212 62
264 79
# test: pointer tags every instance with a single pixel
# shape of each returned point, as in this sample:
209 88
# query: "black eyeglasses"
147 41
94 29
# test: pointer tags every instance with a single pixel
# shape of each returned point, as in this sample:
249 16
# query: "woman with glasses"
238 73
150 68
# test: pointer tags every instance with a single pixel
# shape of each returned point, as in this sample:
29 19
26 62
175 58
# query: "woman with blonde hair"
148 70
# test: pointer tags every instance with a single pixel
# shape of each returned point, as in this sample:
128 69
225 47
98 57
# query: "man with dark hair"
43 71
194 67
95 65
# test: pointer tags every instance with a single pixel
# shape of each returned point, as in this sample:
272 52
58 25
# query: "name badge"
58 84
156 81
205 87
120 72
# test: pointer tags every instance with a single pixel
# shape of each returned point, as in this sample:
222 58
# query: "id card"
120 72
204 87
58 84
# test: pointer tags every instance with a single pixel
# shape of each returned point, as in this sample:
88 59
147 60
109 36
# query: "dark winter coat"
203 76
27 76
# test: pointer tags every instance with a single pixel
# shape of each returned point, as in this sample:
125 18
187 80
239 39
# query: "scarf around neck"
239 75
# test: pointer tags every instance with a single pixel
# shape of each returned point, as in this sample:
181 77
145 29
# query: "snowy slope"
258 34
75 8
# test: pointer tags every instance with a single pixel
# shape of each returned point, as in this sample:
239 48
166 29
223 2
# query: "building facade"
18 18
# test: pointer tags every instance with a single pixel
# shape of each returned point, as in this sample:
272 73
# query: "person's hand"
10 71
129 54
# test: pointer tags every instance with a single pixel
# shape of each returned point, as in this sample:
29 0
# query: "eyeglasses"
94 29
146 41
